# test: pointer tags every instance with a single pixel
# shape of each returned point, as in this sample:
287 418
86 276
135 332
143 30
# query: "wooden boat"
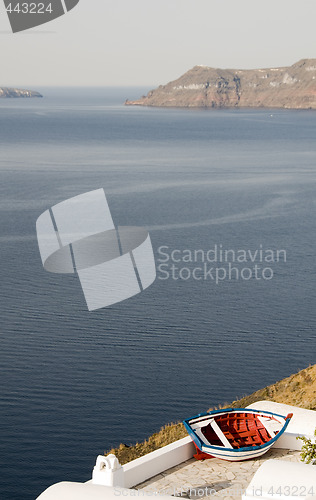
235 433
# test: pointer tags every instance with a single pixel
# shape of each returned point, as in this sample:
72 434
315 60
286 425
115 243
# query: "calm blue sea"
75 383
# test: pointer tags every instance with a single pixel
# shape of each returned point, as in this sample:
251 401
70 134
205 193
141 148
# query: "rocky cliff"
298 390
9 92
292 87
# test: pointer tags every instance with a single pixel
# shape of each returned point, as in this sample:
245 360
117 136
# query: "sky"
145 42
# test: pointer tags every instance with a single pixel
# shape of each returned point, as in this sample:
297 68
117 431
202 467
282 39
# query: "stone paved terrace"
213 477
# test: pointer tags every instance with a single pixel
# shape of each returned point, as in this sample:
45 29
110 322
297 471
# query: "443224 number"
291 491
29 8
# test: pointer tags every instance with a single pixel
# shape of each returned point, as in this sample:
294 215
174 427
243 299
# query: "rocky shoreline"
7 92
292 87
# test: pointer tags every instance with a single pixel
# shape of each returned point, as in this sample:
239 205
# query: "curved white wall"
303 423
279 479
89 491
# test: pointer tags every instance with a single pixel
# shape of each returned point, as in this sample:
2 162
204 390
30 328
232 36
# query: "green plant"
308 454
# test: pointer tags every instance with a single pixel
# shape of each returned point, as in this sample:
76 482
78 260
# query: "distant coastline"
8 92
292 87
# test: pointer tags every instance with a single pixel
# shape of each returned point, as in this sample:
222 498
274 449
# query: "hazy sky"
142 42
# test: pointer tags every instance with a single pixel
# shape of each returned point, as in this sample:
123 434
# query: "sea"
228 198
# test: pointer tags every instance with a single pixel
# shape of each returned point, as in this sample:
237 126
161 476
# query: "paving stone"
230 475
227 480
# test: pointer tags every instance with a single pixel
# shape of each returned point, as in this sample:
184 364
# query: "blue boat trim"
226 410
202 446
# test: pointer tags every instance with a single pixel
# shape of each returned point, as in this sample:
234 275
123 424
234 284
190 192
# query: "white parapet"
157 461
108 470
89 491
282 480
303 423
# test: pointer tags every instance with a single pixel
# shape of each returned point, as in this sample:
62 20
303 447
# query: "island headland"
7 92
291 87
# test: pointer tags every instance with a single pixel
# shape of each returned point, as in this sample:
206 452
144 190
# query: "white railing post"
108 471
